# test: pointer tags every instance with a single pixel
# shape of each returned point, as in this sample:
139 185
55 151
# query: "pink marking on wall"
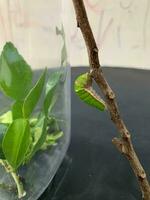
96 8
102 36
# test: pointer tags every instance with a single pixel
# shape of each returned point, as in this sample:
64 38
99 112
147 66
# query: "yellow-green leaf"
6 118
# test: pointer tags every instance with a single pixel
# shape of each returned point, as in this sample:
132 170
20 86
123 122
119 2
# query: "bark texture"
123 142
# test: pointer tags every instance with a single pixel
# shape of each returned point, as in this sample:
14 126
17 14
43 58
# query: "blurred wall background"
122 32
121 28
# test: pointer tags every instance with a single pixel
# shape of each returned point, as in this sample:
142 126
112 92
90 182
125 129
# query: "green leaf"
17 110
3 129
33 96
53 124
15 73
51 139
42 136
51 95
16 142
6 118
54 136
87 94
64 49
39 136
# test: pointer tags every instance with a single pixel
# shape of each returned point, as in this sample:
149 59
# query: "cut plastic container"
37 29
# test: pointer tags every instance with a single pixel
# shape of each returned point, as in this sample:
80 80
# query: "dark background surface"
93 169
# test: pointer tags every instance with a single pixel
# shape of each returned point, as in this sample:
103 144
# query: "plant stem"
9 169
21 192
124 143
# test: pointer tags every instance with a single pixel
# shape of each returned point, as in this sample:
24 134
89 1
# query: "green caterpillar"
87 94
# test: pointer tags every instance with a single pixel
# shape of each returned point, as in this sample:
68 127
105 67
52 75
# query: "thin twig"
124 143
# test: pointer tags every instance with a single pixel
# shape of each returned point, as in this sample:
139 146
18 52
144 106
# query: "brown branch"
124 143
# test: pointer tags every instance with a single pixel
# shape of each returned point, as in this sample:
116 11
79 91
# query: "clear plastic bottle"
36 29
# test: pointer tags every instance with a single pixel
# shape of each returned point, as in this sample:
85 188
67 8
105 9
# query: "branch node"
111 94
120 145
142 176
127 136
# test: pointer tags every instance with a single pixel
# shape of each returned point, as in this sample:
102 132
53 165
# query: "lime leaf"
87 94
16 142
17 110
33 96
15 73
6 118
3 129
51 95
